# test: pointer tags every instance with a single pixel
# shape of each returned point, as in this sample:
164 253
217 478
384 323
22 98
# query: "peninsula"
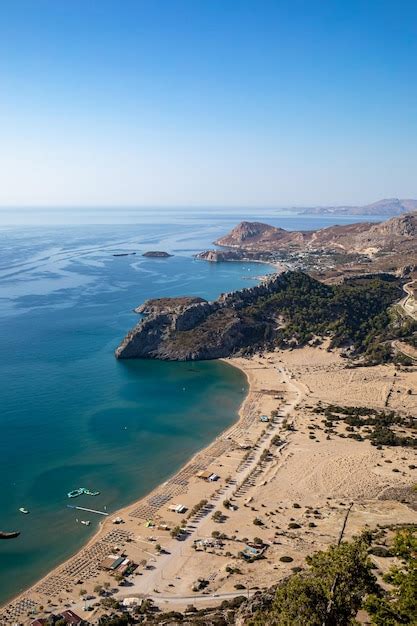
330 252
286 310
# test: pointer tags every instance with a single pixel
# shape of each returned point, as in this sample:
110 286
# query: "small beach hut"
204 474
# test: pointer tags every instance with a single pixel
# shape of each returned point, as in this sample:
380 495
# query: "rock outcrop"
166 305
175 329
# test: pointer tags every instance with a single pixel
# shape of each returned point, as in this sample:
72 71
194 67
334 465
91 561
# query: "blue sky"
207 102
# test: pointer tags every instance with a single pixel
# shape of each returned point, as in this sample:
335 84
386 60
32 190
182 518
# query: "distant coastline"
388 207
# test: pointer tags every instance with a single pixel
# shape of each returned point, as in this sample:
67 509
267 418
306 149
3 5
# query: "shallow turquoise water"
70 414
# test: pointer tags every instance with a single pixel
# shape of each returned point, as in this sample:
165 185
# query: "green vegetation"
381 423
330 592
352 313
290 311
116 620
197 508
218 516
340 581
176 532
398 605
110 603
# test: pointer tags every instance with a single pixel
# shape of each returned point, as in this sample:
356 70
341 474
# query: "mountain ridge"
384 207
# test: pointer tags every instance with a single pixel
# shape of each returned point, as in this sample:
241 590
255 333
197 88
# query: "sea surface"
70 414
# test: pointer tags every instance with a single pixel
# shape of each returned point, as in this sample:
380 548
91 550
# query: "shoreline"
107 522
288 474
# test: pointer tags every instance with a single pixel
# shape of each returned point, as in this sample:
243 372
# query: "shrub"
381 551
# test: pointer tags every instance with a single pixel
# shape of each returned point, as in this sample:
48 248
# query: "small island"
157 254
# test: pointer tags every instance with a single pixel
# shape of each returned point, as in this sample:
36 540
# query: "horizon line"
5 207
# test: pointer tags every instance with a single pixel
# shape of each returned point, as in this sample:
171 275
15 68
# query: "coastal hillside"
330 253
287 310
395 235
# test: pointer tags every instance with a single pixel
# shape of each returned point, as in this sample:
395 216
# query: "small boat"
23 510
11 535
86 522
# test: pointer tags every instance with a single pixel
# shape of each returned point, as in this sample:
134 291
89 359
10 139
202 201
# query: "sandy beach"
288 483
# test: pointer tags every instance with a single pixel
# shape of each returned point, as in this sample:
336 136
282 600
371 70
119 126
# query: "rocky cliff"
198 330
166 305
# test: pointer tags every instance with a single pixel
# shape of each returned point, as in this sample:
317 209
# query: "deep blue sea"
70 414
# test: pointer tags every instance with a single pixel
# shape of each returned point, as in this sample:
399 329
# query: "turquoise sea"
70 414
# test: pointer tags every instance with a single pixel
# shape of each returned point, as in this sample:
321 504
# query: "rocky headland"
185 329
326 253
286 310
167 305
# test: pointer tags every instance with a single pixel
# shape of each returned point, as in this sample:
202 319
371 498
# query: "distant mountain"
387 206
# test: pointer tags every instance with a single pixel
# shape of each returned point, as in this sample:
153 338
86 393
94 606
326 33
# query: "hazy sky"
207 102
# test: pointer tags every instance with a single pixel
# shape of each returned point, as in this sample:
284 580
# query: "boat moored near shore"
10 535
